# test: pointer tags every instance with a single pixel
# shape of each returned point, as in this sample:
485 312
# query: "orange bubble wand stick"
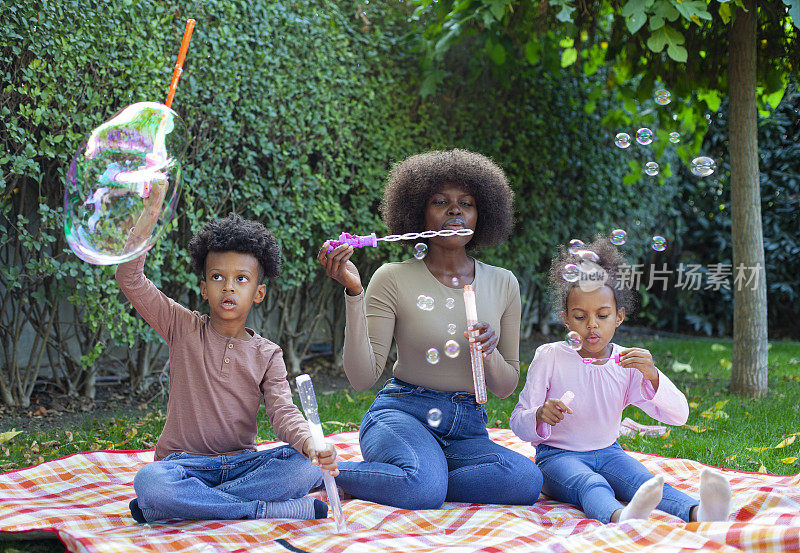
176 74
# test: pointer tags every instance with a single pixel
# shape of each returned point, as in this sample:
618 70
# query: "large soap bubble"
128 163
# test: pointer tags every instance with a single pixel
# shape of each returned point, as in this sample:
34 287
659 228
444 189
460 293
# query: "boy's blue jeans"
595 480
411 464
200 487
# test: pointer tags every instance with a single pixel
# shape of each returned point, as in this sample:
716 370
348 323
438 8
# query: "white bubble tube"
478 378
305 388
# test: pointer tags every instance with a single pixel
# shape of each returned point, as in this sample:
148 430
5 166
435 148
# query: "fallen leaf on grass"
698 429
717 347
763 469
6 436
789 460
787 441
681 367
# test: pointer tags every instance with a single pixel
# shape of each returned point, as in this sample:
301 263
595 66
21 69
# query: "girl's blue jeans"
596 480
411 464
201 487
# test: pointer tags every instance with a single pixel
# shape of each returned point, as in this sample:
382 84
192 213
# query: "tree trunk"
750 357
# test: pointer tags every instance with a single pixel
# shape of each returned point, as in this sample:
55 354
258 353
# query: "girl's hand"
482 334
641 360
325 459
552 411
339 267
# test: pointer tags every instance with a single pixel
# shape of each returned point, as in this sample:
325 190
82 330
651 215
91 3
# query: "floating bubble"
644 136
454 282
420 250
449 303
674 137
434 417
128 164
432 355
658 243
618 237
703 166
571 272
574 340
622 140
575 245
663 97
651 168
425 302
451 349
588 255
451 328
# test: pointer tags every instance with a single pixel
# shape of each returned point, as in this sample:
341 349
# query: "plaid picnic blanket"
84 499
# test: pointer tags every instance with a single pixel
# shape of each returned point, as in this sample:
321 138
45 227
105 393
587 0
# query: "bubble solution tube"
478 378
566 399
305 388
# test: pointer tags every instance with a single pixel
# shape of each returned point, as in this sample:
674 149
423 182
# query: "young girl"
576 447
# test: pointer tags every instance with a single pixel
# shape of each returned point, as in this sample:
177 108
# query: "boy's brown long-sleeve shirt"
216 383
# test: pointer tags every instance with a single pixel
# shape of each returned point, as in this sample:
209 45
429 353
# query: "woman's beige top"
389 309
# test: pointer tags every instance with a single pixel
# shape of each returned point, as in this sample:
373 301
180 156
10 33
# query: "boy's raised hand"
641 360
552 411
325 459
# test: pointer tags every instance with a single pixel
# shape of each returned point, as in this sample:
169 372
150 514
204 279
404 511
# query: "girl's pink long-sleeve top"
601 393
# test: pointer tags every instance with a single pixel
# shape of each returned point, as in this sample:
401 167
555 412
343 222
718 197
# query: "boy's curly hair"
239 235
414 180
610 259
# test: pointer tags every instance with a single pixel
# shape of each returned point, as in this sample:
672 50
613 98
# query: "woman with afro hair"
424 439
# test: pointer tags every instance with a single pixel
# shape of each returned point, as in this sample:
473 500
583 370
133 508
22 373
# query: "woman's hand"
482 334
339 267
552 411
325 459
641 360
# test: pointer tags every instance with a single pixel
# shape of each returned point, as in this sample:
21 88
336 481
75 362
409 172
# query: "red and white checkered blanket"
84 499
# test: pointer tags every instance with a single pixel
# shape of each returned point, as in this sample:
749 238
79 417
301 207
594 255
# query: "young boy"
206 464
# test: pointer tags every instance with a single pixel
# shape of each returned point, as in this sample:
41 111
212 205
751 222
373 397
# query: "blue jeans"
595 480
411 464
200 487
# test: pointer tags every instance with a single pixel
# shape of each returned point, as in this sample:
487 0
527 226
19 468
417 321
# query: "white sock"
715 497
302 508
644 500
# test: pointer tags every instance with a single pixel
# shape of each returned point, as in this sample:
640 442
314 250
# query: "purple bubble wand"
371 240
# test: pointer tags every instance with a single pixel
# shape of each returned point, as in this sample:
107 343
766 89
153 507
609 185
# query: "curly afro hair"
239 235
610 259
414 180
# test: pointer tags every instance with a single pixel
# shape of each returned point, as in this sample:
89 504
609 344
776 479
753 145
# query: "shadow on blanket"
84 499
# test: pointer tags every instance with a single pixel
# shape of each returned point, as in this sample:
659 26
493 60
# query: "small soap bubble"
574 340
651 168
588 255
571 272
454 282
420 250
129 164
451 328
703 166
663 97
618 237
432 355
674 137
451 349
434 417
575 245
449 303
644 136
425 302
622 140
658 243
